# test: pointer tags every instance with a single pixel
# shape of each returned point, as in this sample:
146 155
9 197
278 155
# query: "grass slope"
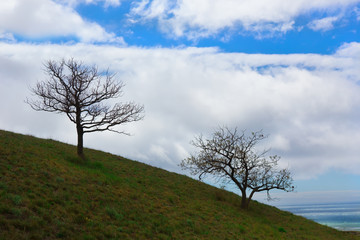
46 193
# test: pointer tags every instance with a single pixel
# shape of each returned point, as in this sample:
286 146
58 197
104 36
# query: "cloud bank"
308 103
202 18
37 19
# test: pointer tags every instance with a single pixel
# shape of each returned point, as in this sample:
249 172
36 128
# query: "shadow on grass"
85 163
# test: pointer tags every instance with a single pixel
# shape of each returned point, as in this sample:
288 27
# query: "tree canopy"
232 156
81 92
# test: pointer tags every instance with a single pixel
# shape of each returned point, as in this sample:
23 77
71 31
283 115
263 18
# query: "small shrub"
190 223
171 200
16 199
45 174
281 229
3 186
113 213
61 234
59 180
110 231
242 229
16 212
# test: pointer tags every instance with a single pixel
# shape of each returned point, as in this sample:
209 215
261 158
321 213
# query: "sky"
290 68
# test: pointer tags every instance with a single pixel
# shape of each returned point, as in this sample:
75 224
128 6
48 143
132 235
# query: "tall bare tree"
80 91
231 155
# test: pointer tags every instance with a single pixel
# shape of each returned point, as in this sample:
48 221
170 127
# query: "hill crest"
47 193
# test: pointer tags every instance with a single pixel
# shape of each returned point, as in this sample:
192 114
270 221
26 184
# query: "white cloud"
357 12
44 18
107 3
203 18
350 50
7 37
308 103
323 24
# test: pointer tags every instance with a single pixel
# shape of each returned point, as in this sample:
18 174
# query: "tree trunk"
244 202
250 197
80 144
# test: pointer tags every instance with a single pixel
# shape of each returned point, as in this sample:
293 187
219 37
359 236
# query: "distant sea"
342 216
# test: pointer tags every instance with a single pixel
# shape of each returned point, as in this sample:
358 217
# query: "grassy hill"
46 193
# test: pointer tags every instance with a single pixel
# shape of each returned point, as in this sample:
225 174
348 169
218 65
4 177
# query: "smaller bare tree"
232 156
80 91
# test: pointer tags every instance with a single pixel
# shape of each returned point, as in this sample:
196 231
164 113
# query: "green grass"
46 192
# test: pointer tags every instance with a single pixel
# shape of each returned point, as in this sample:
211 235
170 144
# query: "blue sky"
290 68
302 38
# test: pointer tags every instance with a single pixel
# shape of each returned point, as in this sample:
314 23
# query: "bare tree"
232 156
81 91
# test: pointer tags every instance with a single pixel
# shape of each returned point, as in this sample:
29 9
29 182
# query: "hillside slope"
46 193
